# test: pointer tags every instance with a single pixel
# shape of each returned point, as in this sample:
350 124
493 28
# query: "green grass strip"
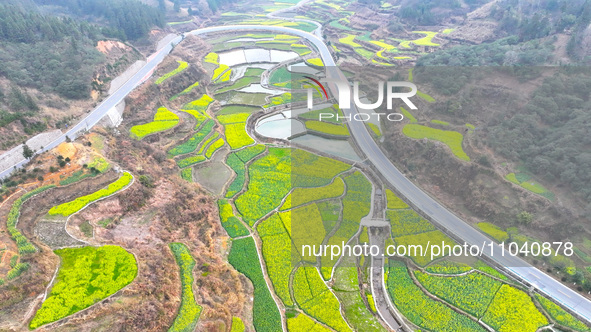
190 311
182 66
69 208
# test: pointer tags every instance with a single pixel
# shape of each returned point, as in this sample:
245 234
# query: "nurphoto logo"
344 93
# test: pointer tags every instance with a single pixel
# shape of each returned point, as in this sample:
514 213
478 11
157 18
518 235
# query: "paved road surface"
111 101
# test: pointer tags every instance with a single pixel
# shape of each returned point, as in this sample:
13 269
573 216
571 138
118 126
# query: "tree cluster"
127 19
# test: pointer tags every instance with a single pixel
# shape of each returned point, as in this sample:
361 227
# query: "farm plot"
327 128
192 143
336 113
420 309
560 315
22 243
513 310
239 84
237 325
232 109
272 175
452 139
472 292
346 288
356 205
394 202
494 231
301 196
198 109
422 242
244 258
230 222
185 91
204 148
69 208
182 66
406 222
213 147
526 182
278 252
235 130
86 276
236 161
189 311
303 323
314 297
163 120
448 267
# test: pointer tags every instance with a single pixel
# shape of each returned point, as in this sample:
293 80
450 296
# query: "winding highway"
437 212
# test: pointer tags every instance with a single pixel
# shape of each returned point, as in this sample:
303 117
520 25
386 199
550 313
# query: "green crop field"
407 115
163 120
513 310
303 323
448 267
86 276
237 166
300 196
493 231
452 139
192 143
185 91
239 84
315 62
182 66
560 315
232 109
394 202
526 182
420 309
230 222
337 115
213 147
314 297
237 325
272 175
189 161
236 162
237 136
69 208
472 292
346 288
243 257
189 311
327 128
187 174
422 240
439 122
406 222
356 205
250 152
278 254
23 244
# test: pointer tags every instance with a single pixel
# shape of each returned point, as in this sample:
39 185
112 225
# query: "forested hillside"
127 19
49 56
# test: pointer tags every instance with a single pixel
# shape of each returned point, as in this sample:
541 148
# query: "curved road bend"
439 214
111 101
